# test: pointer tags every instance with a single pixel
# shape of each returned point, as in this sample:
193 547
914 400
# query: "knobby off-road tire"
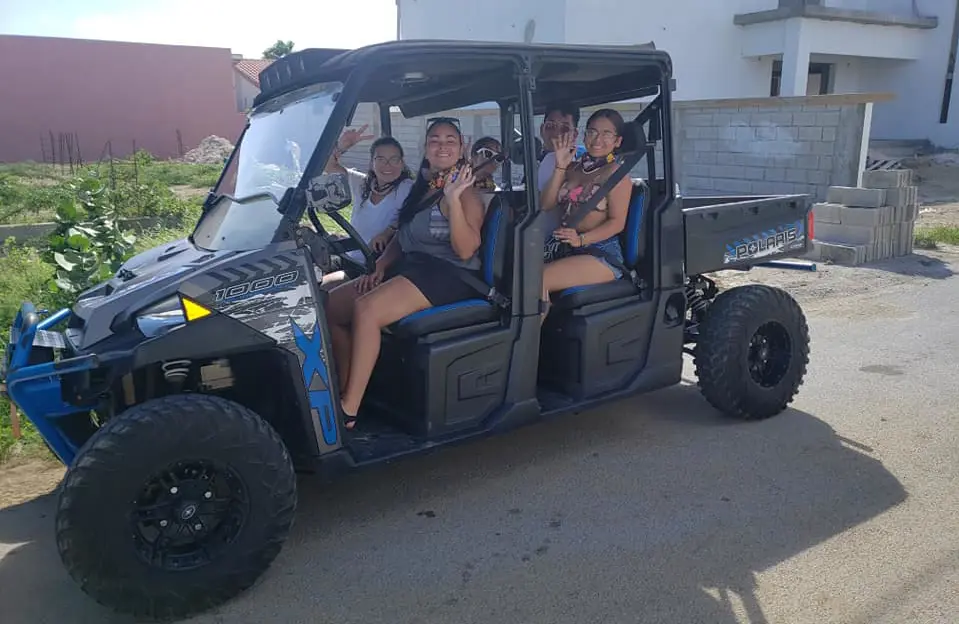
731 342
107 510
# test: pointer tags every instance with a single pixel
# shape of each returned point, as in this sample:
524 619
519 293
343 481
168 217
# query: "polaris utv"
185 393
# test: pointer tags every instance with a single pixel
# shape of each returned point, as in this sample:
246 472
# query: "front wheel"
175 506
752 351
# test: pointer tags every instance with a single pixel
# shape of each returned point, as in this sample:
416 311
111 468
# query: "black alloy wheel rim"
188 514
769 355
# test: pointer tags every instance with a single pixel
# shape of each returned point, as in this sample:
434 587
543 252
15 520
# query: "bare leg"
339 316
573 271
342 347
385 304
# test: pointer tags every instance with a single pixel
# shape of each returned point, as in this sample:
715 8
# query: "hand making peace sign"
351 137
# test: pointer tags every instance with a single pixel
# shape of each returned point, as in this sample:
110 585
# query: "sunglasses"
450 120
487 153
392 160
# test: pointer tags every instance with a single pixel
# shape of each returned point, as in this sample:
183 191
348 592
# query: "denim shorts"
610 247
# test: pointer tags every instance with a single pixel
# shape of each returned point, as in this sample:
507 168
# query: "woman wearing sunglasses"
438 238
486 155
377 194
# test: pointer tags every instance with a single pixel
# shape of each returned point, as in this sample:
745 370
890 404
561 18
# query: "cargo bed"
735 232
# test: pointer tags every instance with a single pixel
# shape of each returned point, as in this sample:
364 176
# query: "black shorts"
437 279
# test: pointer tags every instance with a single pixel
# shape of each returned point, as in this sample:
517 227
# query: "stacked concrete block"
868 223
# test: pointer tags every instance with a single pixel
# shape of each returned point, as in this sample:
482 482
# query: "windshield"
270 159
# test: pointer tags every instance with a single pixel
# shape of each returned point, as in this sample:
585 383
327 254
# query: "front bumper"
37 358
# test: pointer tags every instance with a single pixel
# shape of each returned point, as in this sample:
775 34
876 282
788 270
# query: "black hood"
142 280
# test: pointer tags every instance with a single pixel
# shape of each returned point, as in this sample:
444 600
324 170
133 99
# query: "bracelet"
582 239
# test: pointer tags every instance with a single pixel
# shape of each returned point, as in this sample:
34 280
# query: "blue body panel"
36 388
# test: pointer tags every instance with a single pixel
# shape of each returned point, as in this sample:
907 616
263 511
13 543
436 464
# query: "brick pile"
877 221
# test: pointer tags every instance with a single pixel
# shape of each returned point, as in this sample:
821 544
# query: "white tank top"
368 218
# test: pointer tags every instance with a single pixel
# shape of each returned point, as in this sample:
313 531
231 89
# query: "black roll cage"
527 263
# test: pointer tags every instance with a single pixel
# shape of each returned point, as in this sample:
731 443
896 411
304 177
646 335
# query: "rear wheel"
175 506
752 351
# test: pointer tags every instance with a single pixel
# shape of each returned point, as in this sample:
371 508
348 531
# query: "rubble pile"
212 150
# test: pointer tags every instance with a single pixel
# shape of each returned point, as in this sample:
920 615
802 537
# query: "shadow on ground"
913 265
654 509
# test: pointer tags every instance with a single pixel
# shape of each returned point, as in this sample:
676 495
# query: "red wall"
112 91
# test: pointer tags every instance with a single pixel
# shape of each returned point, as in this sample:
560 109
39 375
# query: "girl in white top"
377 195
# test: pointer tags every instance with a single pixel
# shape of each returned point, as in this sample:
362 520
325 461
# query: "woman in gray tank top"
417 270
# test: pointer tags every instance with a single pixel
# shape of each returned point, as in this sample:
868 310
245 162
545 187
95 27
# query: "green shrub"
23 277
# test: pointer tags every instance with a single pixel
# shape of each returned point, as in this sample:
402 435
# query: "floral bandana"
438 179
591 163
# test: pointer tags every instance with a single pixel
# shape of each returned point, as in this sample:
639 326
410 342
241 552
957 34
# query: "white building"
748 48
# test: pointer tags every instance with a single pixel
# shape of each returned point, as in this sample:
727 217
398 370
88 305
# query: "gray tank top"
429 233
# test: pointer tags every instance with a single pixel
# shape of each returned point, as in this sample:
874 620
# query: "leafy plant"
87 246
278 50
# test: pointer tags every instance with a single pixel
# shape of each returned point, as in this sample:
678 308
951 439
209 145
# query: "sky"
246 30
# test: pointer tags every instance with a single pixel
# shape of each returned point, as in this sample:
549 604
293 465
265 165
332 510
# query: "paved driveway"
844 509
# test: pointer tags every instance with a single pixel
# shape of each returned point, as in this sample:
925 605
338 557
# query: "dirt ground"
831 290
938 180
22 480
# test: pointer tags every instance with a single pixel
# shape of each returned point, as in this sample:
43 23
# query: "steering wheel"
350 231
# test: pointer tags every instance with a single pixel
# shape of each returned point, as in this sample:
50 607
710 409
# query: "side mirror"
329 192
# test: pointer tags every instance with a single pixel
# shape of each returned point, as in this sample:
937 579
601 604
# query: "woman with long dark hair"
377 194
438 236
590 253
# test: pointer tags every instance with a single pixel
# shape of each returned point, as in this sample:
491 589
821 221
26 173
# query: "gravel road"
844 509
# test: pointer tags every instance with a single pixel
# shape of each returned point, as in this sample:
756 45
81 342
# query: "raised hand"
351 137
564 149
464 180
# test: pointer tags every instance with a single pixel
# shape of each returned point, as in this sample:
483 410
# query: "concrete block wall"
864 224
772 145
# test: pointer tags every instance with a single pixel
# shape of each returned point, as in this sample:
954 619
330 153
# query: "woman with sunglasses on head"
438 236
591 252
377 194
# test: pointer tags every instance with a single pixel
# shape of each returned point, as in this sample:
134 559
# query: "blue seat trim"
634 226
574 290
490 237
469 311
466 303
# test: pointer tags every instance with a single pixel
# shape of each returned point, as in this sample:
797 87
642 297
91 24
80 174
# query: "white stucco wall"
918 86
714 58
488 20
720 73
246 92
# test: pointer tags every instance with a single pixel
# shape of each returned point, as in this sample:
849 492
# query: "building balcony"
799 29
897 13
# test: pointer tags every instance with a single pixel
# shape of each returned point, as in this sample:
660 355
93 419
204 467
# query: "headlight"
160 317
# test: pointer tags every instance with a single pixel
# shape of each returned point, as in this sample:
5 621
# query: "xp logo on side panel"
316 379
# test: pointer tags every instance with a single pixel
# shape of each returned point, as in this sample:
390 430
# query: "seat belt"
627 165
482 288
